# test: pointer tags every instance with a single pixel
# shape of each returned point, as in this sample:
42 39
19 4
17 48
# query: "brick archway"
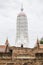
25 64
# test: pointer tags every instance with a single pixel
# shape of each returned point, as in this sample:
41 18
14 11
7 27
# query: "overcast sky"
9 10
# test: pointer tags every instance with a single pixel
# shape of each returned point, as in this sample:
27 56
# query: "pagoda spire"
37 43
22 7
7 45
7 42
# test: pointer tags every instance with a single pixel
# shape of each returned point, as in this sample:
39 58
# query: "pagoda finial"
22 7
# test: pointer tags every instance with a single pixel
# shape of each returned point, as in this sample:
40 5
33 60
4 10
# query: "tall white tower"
22 29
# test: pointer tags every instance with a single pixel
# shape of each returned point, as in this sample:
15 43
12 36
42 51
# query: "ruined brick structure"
20 55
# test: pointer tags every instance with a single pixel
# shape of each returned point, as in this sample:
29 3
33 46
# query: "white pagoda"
22 29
